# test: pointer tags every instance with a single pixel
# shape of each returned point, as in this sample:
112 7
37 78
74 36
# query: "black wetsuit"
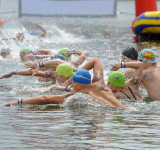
131 93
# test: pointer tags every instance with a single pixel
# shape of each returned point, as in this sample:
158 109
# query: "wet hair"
131 52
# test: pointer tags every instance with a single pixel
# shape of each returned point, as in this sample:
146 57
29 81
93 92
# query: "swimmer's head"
117 78
24 52
65 70
131 53
63 51
5 51
31 33
58 56
147 55
20 35
82 76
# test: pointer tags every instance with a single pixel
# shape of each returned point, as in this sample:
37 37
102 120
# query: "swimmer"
5 53
129 54
61 75
82 83
27 54
67 54
43 34
126 89
21 37
45 72
151 73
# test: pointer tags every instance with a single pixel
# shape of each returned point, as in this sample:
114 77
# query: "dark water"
86 124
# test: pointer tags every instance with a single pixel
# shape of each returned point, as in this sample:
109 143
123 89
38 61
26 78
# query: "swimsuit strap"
125 94
132 93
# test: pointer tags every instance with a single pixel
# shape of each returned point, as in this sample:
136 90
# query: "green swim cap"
62 52
25 49
64 70
117 78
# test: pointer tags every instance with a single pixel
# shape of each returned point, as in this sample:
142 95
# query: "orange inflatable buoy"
142 6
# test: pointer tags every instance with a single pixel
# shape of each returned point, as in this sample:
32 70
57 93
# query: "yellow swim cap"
64 70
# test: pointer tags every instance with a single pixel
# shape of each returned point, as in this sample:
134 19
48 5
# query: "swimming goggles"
3 53
57 74
124 57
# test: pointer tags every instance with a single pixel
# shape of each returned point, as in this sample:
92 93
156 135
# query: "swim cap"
31 33
147 55
58 56
82 76
44 60
62 52
25 49
64 70
131 53
117 78
6 50
18 35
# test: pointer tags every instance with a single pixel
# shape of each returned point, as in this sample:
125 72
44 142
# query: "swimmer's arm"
109 98
43 56
22 72
82 57
134 65
31 65
53 63
128 74
44 31
40 100
46 74
61 88
137 75
50 64
9 38
43 51
114 102
97 67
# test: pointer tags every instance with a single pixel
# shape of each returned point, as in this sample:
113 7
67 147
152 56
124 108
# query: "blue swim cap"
31 33
147 55
58 56
82 76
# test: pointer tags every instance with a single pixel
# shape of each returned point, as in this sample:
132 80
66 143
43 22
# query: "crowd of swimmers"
67 76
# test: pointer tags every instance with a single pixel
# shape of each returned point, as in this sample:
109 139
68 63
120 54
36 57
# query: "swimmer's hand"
31 65
30 57
36 70
68 53
10 103
116 66
8 75
57 87
131 109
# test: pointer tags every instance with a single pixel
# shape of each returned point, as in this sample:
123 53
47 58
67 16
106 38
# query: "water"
86 124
